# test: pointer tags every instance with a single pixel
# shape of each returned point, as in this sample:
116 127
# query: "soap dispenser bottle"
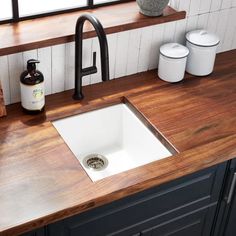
32 89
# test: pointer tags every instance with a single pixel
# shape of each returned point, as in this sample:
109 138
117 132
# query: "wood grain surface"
48 31
2 106
41 180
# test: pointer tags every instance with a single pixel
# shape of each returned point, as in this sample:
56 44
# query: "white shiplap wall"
130 51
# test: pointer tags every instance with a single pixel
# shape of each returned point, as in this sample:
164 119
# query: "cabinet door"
226 222
153 209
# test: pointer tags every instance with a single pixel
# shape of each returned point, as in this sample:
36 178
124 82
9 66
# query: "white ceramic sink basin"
114 132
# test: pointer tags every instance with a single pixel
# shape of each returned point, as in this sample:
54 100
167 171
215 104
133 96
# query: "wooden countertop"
42 182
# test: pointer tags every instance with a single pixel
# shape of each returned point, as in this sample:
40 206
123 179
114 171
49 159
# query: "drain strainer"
95 162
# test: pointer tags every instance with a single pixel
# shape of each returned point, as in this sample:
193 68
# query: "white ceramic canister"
172 62
202 47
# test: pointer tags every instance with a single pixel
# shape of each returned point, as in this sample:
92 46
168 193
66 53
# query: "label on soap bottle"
32 96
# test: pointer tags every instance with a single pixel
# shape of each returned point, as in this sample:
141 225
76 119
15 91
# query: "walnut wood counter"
41 181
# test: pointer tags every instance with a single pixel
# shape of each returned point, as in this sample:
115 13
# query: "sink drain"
95 162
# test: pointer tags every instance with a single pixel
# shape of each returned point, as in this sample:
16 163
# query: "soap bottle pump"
32 89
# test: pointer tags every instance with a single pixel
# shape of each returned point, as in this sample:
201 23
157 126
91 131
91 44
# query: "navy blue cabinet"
37 232
184 225
186 206
226 218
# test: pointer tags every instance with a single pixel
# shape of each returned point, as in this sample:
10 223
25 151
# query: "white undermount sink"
115 133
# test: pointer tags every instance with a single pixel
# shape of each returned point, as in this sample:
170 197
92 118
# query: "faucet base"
79 96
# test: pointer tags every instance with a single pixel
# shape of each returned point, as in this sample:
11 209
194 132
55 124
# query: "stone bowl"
152 7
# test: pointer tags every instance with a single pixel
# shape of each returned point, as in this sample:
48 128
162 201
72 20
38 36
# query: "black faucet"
79 71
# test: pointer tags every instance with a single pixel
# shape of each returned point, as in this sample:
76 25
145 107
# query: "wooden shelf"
52 30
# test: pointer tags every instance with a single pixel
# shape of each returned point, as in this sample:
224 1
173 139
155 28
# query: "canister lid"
174 50
202 38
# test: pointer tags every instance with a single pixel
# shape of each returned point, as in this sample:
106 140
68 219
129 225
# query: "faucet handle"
94 58
92 69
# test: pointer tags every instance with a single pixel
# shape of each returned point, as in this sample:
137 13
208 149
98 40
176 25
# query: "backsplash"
130 51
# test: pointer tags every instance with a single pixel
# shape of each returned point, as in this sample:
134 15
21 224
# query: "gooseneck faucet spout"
79 71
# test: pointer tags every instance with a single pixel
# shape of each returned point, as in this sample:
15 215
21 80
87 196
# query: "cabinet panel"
184 225
155 206
225 225
37 232
231 223
196 222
